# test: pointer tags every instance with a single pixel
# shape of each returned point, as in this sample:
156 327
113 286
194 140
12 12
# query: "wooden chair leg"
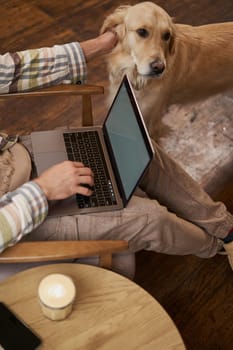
87 116
106 261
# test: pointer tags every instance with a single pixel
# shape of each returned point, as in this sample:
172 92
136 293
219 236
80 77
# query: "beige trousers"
178 217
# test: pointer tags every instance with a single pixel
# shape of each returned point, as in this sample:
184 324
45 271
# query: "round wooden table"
110 311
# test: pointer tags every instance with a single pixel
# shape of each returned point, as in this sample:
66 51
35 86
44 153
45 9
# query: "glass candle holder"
56 294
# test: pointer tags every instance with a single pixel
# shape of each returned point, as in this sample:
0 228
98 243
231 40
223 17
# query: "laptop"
118 152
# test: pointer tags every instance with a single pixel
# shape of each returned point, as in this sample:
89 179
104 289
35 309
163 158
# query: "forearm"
20 212
31 69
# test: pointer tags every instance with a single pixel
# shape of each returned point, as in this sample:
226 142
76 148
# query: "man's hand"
66 179
100 45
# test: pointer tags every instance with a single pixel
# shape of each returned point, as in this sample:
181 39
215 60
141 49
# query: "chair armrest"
59 90
62 250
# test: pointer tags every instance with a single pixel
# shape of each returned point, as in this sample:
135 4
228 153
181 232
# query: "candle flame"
56 291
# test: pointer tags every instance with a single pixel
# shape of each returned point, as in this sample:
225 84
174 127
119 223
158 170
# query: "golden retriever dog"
167 62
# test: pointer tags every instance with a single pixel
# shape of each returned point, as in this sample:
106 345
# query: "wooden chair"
25 252
85 91
43 251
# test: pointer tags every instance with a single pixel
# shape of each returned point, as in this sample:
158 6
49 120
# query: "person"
176 217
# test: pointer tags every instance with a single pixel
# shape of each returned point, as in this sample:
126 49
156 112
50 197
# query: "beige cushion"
15 168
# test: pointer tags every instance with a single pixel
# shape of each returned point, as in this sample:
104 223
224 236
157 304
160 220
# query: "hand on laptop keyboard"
66 179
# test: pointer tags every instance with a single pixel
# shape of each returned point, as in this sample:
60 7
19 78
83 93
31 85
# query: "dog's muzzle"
156 68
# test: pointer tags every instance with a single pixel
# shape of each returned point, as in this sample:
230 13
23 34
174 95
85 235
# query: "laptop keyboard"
85 147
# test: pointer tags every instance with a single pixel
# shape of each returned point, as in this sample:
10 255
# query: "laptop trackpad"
47 159
48 148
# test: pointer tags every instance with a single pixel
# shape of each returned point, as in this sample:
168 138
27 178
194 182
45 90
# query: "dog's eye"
166 36
142 32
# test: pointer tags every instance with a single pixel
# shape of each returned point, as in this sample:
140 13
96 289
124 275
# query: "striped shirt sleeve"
21 211
37 68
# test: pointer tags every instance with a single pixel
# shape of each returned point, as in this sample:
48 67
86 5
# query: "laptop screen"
128 139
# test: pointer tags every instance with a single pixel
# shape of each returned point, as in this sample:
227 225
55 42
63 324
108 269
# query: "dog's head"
146 36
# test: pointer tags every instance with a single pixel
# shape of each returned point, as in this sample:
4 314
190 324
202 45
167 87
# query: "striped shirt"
20 212
23 210
30 69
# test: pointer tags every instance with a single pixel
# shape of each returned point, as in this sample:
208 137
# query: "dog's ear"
172 44
172 39
115 21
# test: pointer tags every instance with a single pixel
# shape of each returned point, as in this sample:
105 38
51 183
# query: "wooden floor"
197 293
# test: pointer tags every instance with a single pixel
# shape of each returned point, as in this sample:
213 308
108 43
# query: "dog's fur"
167 62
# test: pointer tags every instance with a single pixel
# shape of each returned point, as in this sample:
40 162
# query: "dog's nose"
157 67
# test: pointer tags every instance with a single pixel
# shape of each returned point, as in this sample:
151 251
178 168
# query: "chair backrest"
24 252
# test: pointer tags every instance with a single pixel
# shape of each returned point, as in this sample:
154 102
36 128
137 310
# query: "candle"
56 294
